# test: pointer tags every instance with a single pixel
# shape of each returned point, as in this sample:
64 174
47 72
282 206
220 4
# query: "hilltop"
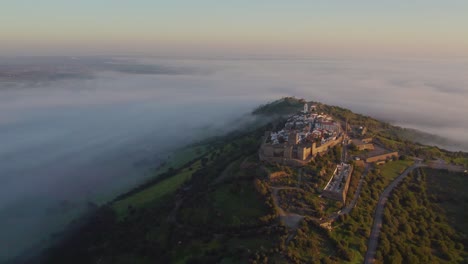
283 106
224 200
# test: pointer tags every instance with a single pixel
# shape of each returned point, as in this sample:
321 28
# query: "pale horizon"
209 28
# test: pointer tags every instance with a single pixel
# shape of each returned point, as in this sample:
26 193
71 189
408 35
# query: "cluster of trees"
283 106
314 244
355 119
301 202
353 230
354 182
416 231
320 168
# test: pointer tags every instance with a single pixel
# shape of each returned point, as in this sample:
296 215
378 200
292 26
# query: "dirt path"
291 220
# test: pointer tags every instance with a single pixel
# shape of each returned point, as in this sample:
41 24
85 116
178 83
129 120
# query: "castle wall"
326 146
303 152
369 146
382 157
293 138
346 187
290 154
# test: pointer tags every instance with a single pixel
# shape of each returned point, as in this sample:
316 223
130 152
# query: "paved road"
441 164
377 224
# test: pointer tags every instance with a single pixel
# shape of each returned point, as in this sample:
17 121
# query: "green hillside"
425 221
214 202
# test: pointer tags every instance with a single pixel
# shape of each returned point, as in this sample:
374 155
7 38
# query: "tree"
394 258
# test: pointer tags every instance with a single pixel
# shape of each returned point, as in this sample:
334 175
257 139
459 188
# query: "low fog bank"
73 142
66 141
428 95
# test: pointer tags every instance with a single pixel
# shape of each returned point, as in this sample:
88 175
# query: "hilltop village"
304 135
312 132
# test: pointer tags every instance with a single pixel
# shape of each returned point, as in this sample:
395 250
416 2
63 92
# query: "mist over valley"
80 130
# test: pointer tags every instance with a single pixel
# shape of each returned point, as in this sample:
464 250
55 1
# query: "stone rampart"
382 157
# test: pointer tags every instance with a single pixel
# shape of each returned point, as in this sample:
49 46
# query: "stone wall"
326 146
348 180
286 153
368 146
382 157
303 152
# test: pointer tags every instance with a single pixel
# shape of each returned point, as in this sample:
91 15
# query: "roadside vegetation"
420 225
353 230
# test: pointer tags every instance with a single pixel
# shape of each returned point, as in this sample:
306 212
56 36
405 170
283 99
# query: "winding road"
377 224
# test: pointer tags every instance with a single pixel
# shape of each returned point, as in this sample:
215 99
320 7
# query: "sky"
418 28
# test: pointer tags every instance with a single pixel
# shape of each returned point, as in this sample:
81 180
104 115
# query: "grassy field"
196 248
228 205
230 172
461 161
167 186
183 156
156 191
392 169
238 205
389 143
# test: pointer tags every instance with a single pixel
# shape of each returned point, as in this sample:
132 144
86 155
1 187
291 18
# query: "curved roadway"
377 224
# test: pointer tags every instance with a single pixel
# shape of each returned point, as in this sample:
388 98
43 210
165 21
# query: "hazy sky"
208 27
